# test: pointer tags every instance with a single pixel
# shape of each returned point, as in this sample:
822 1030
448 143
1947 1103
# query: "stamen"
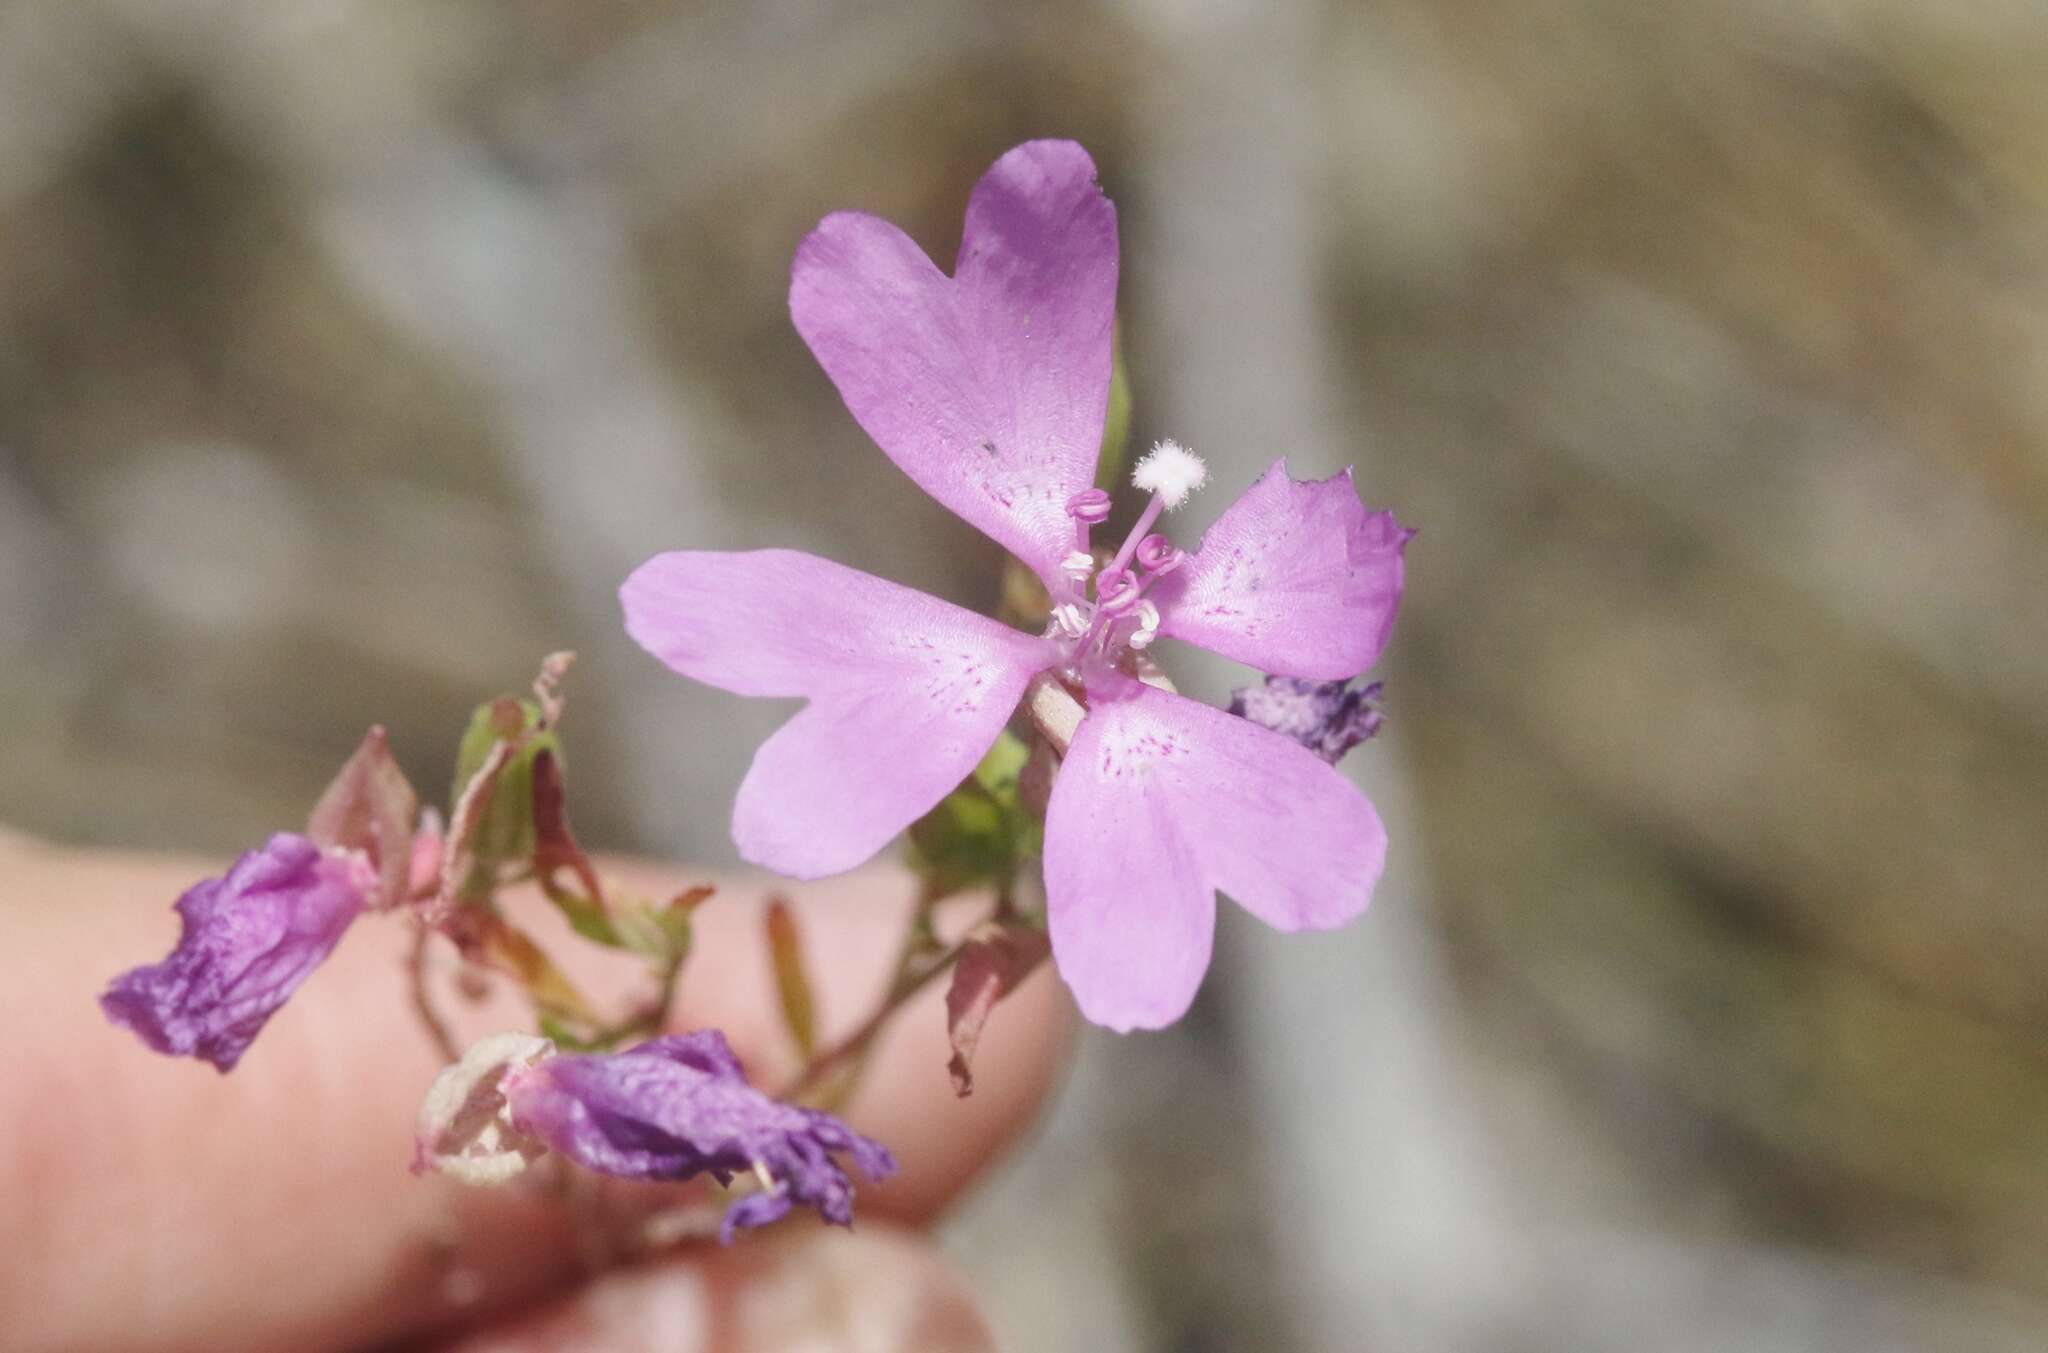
1157 555
1090 506
1116 592
1077 566
1138 532
1071 620
1148 627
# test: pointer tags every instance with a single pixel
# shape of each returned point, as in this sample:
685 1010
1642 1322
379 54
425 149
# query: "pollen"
1171 471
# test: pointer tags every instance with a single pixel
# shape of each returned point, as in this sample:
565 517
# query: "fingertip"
874 1288
272 1207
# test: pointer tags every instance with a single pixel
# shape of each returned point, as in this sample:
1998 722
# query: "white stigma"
1171 471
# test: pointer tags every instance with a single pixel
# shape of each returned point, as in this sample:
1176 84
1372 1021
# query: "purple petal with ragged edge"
1160 803
906 692
1327 717
1295 578
677 1107
248 940
989 388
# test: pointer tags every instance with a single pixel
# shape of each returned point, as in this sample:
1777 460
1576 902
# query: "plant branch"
855 1045
423 998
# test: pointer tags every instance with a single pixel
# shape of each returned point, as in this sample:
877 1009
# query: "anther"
1090 506
1156 554
1148 627
1078 565
1116 592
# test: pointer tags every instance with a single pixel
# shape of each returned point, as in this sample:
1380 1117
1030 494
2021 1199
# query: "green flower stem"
851 1052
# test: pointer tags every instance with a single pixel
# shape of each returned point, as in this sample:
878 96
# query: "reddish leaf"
991 966
458 850
493 942
554 847
370 806
547 686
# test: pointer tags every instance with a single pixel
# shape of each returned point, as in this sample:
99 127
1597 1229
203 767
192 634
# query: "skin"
153 1203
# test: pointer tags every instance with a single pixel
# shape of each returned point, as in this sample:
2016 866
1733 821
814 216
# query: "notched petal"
1161 803
1295 578
988 388
906 692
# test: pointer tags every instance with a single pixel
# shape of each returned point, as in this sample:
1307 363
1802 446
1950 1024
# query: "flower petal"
906 692
1327 717
988 388
1160 803
680 1106
247 941
1296 578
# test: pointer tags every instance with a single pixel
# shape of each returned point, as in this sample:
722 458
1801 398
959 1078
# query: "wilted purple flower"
989 389
248 940
680 1106
1327 717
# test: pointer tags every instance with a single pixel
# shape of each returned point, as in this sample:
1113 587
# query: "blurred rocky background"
352 350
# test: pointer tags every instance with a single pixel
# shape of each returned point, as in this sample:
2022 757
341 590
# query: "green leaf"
1116 423
999 770
561 1035
504 833
981 833
586 918
792 979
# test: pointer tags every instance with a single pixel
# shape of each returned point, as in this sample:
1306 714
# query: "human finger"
160 1205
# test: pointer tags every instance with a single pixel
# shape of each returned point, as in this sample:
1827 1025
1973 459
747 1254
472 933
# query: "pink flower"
989 388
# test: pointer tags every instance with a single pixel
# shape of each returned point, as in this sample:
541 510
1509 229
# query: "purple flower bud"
1327 717
249 939
677 1107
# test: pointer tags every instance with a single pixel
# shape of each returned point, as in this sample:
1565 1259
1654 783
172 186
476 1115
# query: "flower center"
1118 618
